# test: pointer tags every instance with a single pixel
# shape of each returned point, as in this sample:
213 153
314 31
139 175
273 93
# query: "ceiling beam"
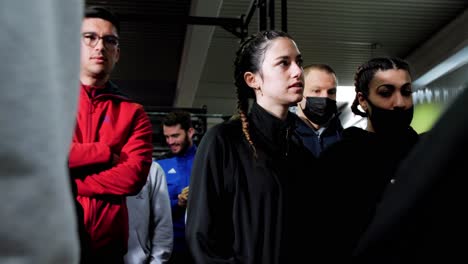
196 45
446 43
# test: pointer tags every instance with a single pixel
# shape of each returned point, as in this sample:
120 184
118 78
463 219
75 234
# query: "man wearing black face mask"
320 126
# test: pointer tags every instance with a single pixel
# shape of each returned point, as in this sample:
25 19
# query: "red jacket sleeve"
130 174
85 154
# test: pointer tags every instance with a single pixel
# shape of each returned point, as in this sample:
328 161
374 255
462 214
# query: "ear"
362 101
251 80
190 132
117 55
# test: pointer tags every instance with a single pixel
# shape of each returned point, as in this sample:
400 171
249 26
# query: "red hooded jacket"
108 123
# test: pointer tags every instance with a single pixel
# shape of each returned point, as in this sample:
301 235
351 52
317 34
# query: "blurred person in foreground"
38 78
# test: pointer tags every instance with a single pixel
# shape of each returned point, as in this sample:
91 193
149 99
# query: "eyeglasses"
91 39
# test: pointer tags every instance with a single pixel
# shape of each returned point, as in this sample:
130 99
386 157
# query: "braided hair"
249 58
366 72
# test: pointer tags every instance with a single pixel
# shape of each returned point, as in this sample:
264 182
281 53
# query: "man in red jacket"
111 151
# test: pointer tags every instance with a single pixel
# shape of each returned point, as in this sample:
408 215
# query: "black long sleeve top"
246 209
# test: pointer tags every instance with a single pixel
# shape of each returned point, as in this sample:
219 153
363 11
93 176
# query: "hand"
185 191
183 197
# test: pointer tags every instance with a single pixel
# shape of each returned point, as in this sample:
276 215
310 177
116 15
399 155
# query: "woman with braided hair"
248 178
384 93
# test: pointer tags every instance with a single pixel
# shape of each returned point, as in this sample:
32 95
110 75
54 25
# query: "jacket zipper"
90 121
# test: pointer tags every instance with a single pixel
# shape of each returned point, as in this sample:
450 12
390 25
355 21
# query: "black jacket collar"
273 129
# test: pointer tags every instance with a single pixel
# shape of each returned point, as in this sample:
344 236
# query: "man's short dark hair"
181 118
319 66
103 13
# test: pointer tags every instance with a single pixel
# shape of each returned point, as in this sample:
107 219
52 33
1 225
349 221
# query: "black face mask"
386 121
320 110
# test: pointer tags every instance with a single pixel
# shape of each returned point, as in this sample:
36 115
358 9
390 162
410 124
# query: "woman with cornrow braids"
248 192
384 93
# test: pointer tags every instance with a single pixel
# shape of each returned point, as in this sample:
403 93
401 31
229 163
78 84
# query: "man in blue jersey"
178 131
